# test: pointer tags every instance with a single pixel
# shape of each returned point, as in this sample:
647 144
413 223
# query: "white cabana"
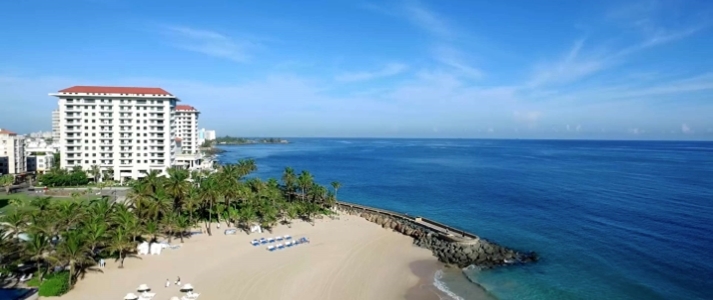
256 228
156 249
131 296
187 287
143 248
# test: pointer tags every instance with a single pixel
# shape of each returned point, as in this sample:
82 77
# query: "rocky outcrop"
454 252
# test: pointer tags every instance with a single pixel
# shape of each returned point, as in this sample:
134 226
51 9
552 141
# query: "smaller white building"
12 153
187 128
40 163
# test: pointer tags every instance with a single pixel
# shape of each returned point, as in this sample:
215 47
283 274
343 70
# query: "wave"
441 286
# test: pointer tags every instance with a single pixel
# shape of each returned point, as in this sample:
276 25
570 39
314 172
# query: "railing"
443 228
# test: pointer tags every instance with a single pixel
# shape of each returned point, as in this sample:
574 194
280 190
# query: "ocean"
609 219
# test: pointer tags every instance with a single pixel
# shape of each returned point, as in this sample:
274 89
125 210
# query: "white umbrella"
186 287
143 288
131 296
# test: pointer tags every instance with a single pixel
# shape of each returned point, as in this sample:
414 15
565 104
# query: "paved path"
453 233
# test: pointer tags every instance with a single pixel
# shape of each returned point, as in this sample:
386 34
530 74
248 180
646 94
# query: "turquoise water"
611 220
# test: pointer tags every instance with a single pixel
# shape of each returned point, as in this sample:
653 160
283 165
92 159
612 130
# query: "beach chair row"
257 242
287 244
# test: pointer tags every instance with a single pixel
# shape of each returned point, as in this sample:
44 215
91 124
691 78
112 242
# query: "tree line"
72 235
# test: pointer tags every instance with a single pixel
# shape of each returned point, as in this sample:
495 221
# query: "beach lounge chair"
230 231
271 248
255 242
270 240
280 246
288 244
279 238
288 237
263 241
148 295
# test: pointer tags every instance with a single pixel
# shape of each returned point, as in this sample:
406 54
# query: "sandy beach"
349 258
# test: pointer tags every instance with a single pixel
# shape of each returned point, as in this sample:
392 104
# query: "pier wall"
451 245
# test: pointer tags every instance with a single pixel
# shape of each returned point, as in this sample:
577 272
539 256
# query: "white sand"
349 258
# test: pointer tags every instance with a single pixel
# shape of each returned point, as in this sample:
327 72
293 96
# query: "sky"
625 69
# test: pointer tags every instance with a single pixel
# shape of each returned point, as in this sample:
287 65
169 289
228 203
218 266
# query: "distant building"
128 130
210 135
55 125
12 153
205 135
187 128
40 163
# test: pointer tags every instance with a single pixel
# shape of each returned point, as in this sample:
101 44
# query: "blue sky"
639 69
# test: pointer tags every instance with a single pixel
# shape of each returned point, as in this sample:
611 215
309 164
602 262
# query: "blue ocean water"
610 219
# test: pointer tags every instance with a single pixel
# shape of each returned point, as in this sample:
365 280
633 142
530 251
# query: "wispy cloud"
210 43
388 70
570 68
428 20
453 58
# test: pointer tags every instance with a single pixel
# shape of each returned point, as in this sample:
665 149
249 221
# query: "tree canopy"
73 234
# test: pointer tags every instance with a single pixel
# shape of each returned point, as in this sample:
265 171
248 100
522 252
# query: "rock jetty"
453 249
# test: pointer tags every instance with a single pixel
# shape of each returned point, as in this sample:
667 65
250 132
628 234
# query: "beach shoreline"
347 258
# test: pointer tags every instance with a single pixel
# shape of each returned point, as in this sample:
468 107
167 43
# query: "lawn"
5 199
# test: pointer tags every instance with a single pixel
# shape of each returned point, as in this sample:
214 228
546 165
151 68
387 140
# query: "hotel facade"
12 153
125 131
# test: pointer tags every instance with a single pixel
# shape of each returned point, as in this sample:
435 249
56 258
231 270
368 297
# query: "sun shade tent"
186 287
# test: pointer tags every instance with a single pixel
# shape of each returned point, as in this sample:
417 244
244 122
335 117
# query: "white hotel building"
187 128
123 129
12 153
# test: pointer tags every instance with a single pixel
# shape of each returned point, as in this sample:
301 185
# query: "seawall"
451 245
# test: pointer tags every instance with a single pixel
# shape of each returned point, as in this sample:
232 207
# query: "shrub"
55 284
34 282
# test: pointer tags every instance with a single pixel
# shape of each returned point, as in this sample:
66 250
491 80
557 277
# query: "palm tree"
121 244
7 181
336 185
182 225
95 234
305 181
74 251
14 223
289 180
96 173
152 228
177 186
36 247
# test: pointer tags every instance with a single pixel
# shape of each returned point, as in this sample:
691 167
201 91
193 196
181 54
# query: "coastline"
347 258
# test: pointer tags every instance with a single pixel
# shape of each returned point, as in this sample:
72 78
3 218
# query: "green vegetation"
7 181
62 177
229 140
73 234
56 284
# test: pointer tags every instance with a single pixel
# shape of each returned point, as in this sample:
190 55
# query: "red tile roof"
115 90
8 132
185 107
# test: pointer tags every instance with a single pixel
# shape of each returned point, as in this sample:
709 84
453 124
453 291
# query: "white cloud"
388 70
210 43
428 20
530 117
453 58
569 68
685 129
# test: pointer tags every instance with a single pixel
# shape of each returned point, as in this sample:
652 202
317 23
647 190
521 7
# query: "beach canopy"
143 287
187 287
131 296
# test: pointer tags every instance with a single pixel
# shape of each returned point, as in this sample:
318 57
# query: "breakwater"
451 245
